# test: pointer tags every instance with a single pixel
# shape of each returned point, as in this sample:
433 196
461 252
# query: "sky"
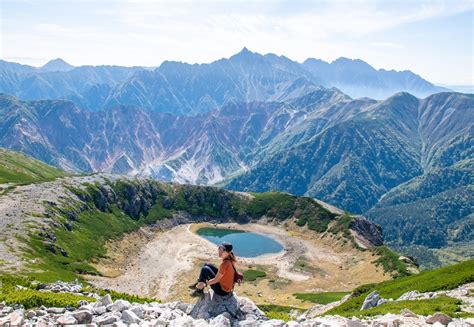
434 39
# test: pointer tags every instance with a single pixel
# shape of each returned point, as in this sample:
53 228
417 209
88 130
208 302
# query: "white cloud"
146 32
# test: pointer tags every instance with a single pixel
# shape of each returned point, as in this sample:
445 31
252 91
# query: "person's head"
225 251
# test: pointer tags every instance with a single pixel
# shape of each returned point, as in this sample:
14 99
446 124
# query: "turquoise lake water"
246 244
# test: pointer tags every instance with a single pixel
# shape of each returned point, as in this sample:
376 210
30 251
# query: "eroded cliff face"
367 231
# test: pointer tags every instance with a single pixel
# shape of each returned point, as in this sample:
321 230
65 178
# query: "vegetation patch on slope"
321 298
107 211
30 297
445 278
18 168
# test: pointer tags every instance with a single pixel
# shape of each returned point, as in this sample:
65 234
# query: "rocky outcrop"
367 232
234 308
211 310
372 300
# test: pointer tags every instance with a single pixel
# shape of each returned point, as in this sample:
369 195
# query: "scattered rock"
106 320
273 323
30 314
371 300
129 317
83 316
105 300
439 317
408 313
119 305
66 319
16 318
409 296
220 321
56 310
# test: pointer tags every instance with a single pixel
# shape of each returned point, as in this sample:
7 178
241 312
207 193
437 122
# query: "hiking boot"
197 293
193 286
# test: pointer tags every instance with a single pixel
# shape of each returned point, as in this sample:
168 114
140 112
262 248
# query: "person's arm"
219 275
216 279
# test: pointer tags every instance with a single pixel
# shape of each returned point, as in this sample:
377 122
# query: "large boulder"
234 307
372 300
439 317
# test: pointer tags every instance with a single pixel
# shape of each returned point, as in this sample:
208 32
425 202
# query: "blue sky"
431 38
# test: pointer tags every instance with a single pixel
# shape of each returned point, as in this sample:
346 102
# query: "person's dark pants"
209 271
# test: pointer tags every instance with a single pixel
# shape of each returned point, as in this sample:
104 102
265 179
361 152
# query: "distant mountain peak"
343 61
246 55
56 65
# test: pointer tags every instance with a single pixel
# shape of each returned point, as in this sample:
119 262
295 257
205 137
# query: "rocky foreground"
211 310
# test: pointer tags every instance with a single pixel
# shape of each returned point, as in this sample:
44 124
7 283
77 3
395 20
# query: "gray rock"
89 307
273 323
354 322
409 296
439 317
56 310
248 323
159 322
129 317
30 314
200 323
185 307
408 313
166 315
185 321
119 305
83 303
7 310
5 321
371 300
106 320
40 312
16 318
221 320
139 311
83 316
66 319
99 310
212 305
105 300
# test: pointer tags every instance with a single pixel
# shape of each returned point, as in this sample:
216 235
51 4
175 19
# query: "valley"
169 261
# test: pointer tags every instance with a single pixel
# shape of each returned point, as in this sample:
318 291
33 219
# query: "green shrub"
125 296
390 262
33 298
273 311
251 275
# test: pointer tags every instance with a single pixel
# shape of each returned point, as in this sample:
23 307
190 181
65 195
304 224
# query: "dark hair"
232 256
227 247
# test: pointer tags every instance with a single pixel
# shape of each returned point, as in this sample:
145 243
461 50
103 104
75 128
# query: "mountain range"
185 89
383 159
259 123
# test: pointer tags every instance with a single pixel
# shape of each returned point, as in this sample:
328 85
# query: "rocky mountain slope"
65 223
402 161
350 153
181 88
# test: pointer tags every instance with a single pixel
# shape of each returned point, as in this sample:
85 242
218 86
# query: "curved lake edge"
193 228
